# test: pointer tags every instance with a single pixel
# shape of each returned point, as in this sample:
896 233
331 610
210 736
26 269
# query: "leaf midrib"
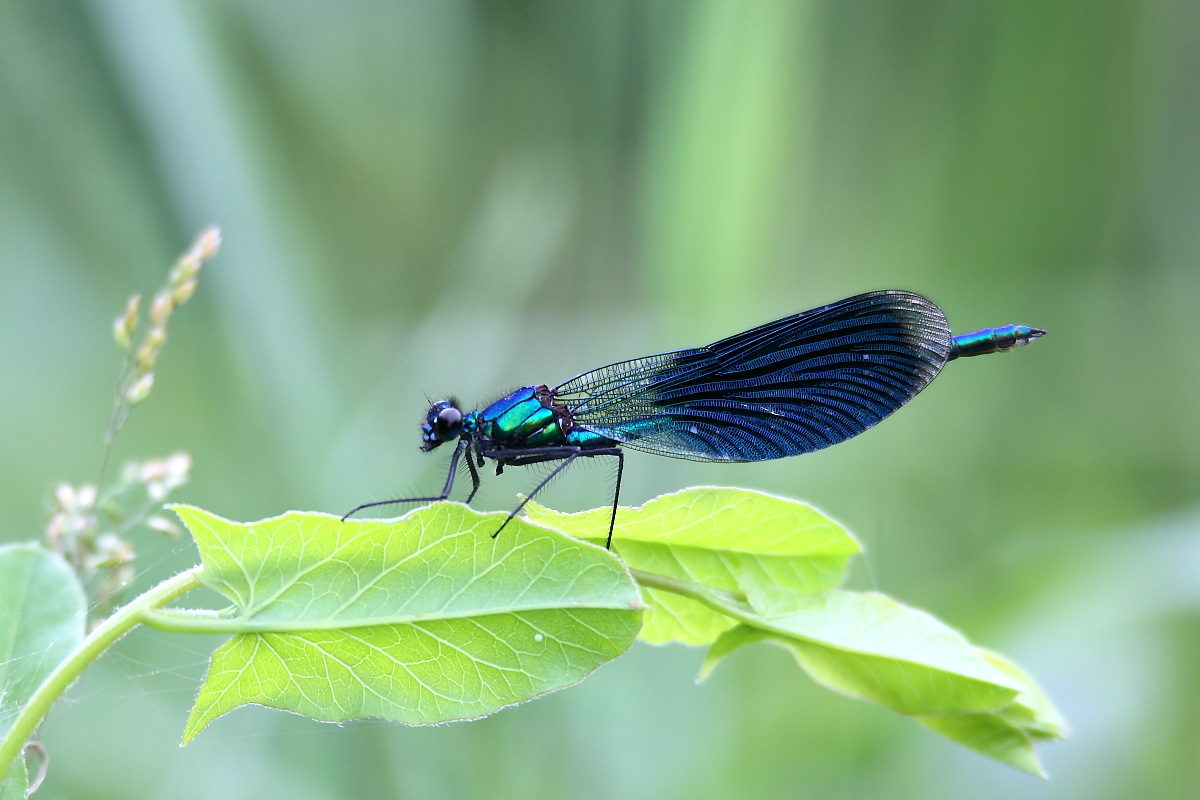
242 624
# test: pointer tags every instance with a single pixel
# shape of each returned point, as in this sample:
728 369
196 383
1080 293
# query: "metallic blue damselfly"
792 386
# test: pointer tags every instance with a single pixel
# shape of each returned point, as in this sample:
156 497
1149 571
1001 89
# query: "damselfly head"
443 423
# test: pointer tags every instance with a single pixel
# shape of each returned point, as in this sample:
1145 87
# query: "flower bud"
164 526
161 308
208 243
176 469
126 324
64 493
156 337
139 390
184 291
147 357
87 496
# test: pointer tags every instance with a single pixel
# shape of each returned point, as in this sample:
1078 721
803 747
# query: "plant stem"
727 603
99 640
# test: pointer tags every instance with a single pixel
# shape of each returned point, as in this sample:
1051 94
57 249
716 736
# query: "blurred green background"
423 197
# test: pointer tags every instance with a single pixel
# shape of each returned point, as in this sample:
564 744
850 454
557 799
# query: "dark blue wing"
788 387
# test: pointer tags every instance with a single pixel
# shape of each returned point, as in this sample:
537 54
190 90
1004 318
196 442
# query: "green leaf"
1009 734
16 785
869 646
424 619
989 734
674 618
1032 712
42 619
751 544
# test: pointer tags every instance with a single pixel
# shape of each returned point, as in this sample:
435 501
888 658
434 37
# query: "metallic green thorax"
529 417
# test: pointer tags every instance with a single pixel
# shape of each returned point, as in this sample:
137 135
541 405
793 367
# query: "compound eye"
448 423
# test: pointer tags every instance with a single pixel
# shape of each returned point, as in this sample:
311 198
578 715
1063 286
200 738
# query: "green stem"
192 620
99 640
727 603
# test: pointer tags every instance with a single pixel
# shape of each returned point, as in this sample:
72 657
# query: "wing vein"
790 386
